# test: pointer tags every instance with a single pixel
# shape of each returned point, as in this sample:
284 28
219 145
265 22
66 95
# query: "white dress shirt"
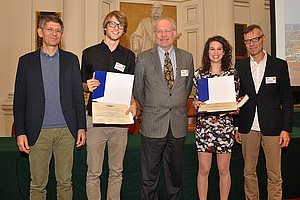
257 71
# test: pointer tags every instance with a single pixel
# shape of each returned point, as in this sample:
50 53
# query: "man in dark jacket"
49 110
266 119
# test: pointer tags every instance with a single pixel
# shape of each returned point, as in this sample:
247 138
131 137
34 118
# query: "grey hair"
168 19
51 18
251 27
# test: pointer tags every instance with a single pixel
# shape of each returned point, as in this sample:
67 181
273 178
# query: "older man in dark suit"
49 110
266 119
163 82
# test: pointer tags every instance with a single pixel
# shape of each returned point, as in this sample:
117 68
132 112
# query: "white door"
190 23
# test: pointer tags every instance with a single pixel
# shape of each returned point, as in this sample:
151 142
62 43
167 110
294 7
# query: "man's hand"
284 139
93 83
81 138
132 107
238 137
22 142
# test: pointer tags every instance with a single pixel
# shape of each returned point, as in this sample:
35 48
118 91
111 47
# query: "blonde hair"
121 17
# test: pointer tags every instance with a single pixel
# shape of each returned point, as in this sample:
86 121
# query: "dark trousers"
153 151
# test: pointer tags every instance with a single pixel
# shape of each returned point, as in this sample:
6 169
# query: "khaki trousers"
60 142
116 140
250 148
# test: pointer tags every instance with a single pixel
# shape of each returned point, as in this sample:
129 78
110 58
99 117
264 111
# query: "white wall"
18 30
5 56
255 12
15 41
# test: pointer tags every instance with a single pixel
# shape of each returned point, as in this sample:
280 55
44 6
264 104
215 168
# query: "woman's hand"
235 112
197 103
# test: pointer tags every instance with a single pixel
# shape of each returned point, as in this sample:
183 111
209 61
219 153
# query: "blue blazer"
274 101
29 97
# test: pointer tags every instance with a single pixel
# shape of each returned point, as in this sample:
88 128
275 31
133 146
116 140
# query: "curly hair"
226 59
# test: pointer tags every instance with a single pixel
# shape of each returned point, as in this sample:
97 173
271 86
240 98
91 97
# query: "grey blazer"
160 105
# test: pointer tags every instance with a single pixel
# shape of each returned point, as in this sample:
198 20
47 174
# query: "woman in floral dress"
214 131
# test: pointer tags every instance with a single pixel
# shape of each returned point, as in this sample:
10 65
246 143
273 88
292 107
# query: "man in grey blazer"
162 86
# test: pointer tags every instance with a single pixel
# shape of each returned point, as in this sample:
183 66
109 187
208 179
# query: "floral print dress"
214 131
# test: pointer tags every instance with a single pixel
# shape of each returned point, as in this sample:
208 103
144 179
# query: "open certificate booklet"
218 93
112 98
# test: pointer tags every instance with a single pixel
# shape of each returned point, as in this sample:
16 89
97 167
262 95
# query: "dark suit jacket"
29 98
161 106
274 100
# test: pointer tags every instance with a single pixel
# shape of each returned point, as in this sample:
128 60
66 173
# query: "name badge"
271 80
120 67
185 72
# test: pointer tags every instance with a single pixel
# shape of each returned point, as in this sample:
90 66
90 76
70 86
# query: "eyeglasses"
167 31
49 29
113 24
254 40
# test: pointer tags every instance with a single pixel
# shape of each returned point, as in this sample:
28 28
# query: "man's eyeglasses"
254 40
167 31
50 29
113 24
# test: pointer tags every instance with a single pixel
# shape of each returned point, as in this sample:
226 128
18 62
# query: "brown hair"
121 17
226 59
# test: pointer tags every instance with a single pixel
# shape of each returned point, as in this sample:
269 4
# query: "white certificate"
218 94
112 98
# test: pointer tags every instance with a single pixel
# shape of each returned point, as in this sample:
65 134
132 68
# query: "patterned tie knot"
168 58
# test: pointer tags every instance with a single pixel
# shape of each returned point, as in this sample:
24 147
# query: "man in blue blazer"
266 119
49 110
162 85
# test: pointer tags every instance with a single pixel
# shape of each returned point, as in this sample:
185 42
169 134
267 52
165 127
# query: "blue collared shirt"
53 117
172 55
